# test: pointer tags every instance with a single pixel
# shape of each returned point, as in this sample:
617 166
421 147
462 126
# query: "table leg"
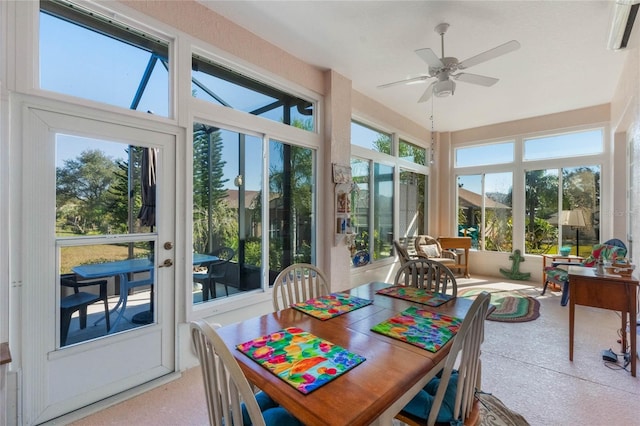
572 311
633 322
623 341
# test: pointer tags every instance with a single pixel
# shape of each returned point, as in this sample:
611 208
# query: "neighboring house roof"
468 199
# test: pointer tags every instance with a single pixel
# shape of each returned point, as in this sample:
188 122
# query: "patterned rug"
494 413
510 306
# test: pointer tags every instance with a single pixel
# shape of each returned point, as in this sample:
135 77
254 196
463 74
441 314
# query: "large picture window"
561 187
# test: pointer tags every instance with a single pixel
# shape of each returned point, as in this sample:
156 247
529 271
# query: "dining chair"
216 272
449 397
78 301
428 274
297 283
230 398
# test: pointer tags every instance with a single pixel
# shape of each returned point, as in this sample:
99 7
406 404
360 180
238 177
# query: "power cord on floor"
614 365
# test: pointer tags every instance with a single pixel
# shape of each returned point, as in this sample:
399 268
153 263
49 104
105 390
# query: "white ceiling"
563 62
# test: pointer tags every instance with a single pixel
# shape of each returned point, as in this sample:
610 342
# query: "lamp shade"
574 218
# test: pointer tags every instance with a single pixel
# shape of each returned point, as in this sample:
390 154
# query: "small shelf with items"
342 200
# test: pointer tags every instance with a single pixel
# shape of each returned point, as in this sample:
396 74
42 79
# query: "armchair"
429 247
609 251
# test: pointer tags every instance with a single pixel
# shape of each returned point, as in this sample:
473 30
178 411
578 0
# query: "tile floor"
526 365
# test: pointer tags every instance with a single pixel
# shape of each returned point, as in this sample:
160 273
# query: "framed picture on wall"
341 174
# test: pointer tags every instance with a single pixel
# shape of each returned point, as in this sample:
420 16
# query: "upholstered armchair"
429 247
557 274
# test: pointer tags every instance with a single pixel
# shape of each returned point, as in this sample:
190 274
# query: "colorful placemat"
332 305
419 327
418 295
300 358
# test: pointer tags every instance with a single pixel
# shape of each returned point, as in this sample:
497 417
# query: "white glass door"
98 232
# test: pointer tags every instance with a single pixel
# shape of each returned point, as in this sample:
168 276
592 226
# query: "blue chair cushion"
420 405
273 414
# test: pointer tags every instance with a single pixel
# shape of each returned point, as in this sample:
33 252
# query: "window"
497 153
380 158
410 152
412 197
221 86
561 187
484 210
369 138
563 146
89 56
227 206
576 224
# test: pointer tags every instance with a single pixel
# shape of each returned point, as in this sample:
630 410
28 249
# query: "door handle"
166 263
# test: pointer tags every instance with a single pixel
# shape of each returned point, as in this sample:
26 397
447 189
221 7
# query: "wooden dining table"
374 391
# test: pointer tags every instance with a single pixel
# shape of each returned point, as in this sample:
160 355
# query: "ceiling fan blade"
427 93
509 46
476 79
410 80
430 58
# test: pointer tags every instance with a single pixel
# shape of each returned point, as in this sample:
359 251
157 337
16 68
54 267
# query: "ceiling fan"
444 68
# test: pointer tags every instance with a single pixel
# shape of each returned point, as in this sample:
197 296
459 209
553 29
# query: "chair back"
428 246
218 269
225 385
466 348
428 274
402 252
297 283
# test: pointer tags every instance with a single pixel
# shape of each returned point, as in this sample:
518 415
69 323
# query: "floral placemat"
332 305
418 295
419 327
300 358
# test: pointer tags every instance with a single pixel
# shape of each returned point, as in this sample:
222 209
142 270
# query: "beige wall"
625 126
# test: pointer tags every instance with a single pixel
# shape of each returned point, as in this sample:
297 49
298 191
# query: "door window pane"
95 279
104 189
99 187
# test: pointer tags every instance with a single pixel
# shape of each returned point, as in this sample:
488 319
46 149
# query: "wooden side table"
463 243
613 292
548 259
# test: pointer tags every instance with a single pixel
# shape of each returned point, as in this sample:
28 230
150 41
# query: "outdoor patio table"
122 269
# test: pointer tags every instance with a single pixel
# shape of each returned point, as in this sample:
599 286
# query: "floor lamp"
575 219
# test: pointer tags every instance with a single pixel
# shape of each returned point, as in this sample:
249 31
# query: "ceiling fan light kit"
444 68
444 88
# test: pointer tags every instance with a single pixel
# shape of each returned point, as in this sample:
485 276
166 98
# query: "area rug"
510 306
493 412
